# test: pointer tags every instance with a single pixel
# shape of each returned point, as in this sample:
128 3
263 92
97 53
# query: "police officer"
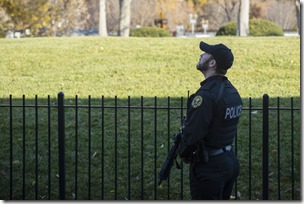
211 125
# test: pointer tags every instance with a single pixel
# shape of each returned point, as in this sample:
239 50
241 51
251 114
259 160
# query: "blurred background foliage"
67 17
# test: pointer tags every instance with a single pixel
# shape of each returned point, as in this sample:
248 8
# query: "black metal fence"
113 149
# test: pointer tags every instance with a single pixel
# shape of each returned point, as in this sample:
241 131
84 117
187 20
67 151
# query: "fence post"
61 145
265 145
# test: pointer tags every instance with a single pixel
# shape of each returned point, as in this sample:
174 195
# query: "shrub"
2 34
149 32
257 27
227 29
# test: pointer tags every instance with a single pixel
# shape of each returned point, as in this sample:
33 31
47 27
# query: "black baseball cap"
222 54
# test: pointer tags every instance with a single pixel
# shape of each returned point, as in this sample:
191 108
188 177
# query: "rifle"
173 152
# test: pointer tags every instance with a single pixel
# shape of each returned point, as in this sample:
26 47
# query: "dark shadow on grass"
115 148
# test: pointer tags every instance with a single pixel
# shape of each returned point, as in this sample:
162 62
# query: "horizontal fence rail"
113 149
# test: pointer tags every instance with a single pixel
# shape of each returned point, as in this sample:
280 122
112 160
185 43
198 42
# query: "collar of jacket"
214 77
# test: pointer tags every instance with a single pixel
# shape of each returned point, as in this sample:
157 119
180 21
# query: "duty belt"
213 152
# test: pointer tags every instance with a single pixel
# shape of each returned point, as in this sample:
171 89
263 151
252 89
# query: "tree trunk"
298 13
124 17
243 21
102 19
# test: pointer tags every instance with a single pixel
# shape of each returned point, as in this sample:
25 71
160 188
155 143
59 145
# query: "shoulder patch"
197 101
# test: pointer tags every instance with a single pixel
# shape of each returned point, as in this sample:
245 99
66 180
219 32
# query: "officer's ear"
212 63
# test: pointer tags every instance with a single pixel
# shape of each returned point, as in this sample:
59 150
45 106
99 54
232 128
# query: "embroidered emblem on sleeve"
197 101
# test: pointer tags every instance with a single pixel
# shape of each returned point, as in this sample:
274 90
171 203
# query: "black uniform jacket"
212 116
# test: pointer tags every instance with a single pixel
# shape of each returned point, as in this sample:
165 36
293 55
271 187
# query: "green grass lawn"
137 67
143 66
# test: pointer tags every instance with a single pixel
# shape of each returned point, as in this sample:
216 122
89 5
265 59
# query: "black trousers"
214 180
